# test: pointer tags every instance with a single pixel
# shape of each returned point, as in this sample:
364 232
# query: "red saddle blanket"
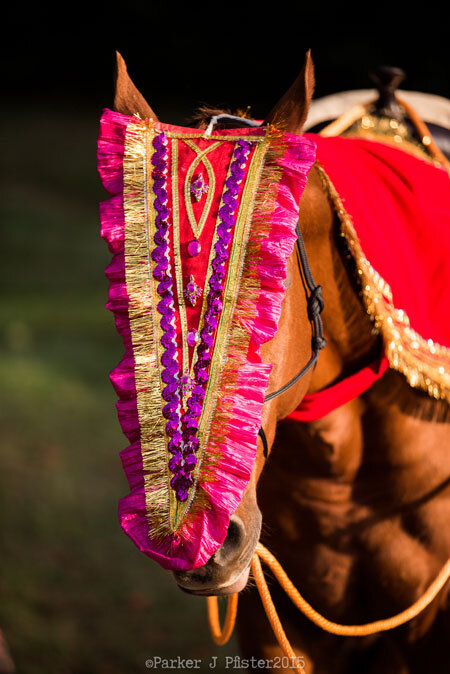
394 212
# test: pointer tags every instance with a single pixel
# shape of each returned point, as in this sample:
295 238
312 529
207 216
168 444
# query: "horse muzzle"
228 569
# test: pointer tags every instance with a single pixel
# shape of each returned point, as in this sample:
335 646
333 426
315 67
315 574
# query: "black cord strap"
315 308
262 435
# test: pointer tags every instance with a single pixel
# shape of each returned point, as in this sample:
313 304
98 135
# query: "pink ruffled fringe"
200 536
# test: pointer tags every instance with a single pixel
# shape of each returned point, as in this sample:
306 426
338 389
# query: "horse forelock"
203 114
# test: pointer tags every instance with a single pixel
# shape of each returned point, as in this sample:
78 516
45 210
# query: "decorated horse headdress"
201 226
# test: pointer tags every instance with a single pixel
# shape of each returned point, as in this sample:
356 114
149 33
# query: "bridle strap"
315 307
262 435
314 300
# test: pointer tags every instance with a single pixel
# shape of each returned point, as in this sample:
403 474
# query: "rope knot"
319 343
315 303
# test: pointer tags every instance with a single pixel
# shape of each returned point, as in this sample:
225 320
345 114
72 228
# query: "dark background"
180 57
76 597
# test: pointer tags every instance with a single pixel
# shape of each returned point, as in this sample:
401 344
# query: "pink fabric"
200 536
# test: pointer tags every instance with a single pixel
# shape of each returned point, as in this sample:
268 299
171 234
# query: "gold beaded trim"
424 363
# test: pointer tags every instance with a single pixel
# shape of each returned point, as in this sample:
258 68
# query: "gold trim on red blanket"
424 363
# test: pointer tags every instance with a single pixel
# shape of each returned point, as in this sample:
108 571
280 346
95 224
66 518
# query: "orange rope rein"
221 637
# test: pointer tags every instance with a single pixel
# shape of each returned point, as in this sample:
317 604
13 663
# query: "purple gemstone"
192 337
158 183
169 409
221 252
171 367
190 461
225 213
216 304
160 201
159 159
162 225
172 426
229 200
236 171
215 285
159 252
164 305
174 442
201 375
167 326
159 173
194 248
167 341
163 212
232 185
170 391
191 443
218 266
167 357
175 462
225 236
164 286
159 239
210 323
167 375
182 478
159 141
195 408
190 421
199 187
199 392
207 339
160 271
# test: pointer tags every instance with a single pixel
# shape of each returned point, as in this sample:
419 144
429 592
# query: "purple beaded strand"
170 372
182 431
214 301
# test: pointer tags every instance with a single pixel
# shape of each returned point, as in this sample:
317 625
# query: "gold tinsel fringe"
143 327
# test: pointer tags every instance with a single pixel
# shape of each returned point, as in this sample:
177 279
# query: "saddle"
389 119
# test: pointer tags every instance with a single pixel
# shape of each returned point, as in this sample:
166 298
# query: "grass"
76 597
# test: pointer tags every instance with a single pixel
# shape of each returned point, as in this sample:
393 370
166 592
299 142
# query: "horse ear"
291 111
128 100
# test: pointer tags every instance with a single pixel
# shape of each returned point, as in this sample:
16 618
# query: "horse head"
280 358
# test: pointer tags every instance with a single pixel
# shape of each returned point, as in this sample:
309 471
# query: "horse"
356 504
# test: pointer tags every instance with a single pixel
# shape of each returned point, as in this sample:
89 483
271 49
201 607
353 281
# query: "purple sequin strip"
183 429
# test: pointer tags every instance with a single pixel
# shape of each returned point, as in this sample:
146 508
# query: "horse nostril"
232 545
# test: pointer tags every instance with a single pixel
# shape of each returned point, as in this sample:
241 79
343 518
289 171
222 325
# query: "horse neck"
351 343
